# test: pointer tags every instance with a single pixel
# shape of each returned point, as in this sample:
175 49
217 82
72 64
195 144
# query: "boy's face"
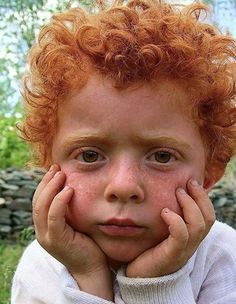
125 153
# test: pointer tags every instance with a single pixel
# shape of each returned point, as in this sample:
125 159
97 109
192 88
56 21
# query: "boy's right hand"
79 253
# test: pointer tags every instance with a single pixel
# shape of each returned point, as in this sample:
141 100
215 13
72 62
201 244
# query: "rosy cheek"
80 207
78 212
164 191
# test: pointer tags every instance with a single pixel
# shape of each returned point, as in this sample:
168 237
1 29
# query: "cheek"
163 191
82 206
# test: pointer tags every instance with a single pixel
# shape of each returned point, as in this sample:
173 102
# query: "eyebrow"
83 138
144 140
162 140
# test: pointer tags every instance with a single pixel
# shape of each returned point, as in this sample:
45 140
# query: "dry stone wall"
17 188
16 191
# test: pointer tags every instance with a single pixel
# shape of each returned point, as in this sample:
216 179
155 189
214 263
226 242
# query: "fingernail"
67 188
194 182
166 210
181 190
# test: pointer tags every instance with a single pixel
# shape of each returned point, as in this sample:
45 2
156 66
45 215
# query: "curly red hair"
129 44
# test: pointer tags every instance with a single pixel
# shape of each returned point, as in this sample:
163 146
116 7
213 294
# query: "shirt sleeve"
41 279
219 286
67 293
170 289
71 294
208 277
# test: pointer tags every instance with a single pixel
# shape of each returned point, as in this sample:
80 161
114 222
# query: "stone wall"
17 188
16 191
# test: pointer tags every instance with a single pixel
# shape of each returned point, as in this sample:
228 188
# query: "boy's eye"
89 156
162 157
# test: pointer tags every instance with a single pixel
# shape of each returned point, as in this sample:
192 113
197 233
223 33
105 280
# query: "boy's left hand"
185 235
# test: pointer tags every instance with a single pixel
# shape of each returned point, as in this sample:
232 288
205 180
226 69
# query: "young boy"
133 110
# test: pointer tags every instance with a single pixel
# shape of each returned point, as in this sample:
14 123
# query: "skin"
146 163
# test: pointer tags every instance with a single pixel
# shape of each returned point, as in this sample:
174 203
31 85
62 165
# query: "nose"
125 184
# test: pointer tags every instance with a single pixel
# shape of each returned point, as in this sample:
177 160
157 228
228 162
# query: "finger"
42 205
192 216
179 235
191 211
204 203
45 180
57 213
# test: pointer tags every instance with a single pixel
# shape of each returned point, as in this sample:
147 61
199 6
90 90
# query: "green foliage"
208 2
9 257
13 151
26 236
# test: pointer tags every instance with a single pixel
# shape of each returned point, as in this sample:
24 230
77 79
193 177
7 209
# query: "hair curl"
129 44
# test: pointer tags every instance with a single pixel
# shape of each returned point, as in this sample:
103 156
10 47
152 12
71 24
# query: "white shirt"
209 277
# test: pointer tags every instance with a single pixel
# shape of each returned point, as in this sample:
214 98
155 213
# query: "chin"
122 255
122 258
118 261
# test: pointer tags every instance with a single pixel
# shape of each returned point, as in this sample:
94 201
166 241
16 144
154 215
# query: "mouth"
121 227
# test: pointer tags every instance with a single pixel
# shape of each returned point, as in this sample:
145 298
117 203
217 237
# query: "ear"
212 178
208 184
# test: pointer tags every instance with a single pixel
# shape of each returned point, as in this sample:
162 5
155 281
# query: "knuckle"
52 219
182 232
36 211
202 196
183 237
201 193
201 227
47 242
198 230
52 244
41 240
59 198
47 177
33 203
210 220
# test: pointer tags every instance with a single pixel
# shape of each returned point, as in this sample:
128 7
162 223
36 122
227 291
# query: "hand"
185 235
79 253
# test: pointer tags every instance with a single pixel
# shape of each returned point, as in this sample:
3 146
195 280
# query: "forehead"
145 111
99 94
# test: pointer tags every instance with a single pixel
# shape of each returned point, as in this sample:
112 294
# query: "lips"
121 227
120 222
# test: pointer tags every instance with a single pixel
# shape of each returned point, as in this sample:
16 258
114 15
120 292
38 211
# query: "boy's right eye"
89 156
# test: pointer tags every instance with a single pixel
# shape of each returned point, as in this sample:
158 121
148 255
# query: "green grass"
9 257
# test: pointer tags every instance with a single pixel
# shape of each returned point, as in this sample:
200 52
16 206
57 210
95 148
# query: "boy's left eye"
162 157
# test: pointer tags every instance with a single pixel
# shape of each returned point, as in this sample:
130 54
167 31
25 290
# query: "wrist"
97 283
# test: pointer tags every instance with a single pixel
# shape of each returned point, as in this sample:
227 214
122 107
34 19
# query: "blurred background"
20 21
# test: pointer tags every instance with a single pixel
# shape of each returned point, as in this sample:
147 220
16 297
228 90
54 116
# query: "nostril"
113 197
